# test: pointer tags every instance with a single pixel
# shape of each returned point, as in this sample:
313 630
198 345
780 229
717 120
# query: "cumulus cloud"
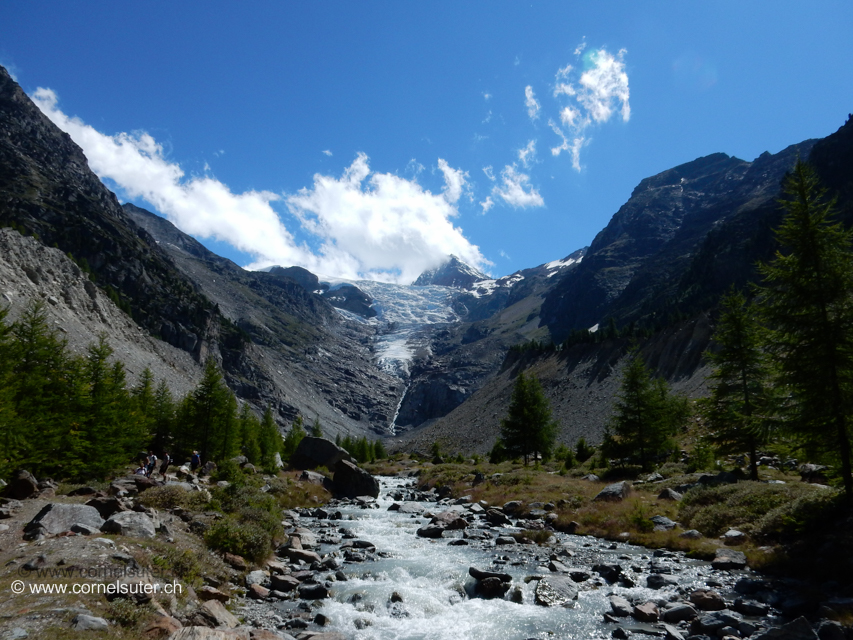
528 153
455 181
515 189
531 103
600 92
376 223
487 204
327 152
371 225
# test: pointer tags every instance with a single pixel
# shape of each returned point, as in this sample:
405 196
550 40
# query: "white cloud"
487 204
515 189
415 168
380 225
487 96
503 254
376 226
528 153
579 49
455 181
490 173
599 92
488 117
327 152
531 103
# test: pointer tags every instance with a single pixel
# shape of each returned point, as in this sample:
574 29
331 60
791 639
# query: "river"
436 596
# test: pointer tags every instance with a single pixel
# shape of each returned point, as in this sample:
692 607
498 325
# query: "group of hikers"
148 464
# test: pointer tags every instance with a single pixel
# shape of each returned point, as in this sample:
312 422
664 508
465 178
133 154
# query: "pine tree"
528 428
249 428
316 431
806 299
293 438
163 419
269 440
209 413
736 410
645 418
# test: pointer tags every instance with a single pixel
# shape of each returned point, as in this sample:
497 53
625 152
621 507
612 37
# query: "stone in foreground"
556 591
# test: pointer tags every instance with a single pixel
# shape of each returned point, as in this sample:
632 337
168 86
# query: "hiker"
167 460
195 461
152 464
140 471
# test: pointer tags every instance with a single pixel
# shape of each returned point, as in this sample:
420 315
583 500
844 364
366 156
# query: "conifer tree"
293 438
645 417
269 440
209 406
249 428
163 419
806 300
528 428
737 408
316 430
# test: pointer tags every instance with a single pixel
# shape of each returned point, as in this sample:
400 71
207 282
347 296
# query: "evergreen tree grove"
806 301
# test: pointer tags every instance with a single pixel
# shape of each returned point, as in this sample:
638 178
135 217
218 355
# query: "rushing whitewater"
432 580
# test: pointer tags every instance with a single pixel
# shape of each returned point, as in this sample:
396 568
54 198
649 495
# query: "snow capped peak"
453 273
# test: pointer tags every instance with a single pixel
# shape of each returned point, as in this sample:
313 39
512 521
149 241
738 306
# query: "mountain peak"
452 273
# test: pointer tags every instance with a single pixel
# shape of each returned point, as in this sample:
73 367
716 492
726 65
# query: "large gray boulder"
351 481
799 629
315 452
615 492
56 518
22 485
556 591
130 523
728 559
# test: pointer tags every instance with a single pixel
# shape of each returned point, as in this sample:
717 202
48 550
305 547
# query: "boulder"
707 600
662 523
728 559
130 523
497 518
556 591
615 492
22 485
161 628
619 606
431 531
313 591
207 468
351 481
211 593
56 518
646 612
660 580
107 505
83 622
479 574
491 587
315 452
223 617
678 612
609 571
283 582
799 629
670 494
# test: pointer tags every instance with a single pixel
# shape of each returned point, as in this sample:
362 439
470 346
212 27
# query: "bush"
714 510
229 471
171 497
183 564
805 515
125 613
246 539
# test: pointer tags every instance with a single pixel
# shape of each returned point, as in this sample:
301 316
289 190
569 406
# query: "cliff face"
47 190
635 263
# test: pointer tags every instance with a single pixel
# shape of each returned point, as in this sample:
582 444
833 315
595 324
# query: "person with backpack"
167 460
152 464
195 461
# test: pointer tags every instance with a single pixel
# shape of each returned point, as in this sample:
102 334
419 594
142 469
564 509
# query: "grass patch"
172 497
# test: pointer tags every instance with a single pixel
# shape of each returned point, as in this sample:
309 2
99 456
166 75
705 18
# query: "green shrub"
125 613
246 539
714 510
806 514
229 471
181 563
170 497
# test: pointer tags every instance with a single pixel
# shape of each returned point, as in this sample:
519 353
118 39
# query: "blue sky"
370 139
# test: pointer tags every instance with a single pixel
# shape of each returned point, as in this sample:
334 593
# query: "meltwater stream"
437 597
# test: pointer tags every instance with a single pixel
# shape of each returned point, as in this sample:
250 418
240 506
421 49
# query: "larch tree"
646 416
737 409
528 428
806 301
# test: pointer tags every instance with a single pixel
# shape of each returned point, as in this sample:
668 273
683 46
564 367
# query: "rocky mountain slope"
433 357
